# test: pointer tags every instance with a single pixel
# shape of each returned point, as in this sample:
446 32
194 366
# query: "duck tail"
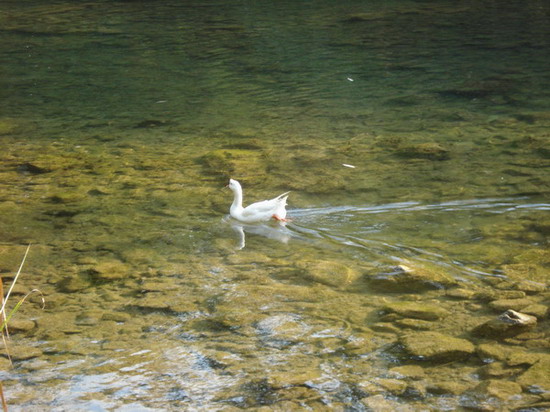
283 196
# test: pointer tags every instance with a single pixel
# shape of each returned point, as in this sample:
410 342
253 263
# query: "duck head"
234 185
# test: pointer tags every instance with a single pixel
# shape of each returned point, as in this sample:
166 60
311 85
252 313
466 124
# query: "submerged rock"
282 379
526 271
151 123
109 270
21 352
239 162
381 403
279 330
537 378
416 310
498 370
491 394
8 126
431 151
529 287
21 325
534 256
515 304
506 325
460 293
537 309
393 386
411 279
74 283
436 347
329 273
490 352
447 388
415 372
415 324
32 169
521 358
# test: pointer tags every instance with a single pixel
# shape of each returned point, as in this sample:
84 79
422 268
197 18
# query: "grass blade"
15 280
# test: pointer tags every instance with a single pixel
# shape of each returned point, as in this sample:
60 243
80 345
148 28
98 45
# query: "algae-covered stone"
381 403
460 293
234 162
436 347
432 151
116 316
156 286
295 377
408 371
537 378
537 309
74 283
498 370
152 301
141 256
496 395
329 273
530 287
109 270
508 324
279 330
362 344
532 272
416 310
527 287
8 126
509 294
489 352
5 364
447 388
416 390
34 168
20 325
385 327
515 304
415 324
500 389
20 352
534 256
394 386
521 358
413 278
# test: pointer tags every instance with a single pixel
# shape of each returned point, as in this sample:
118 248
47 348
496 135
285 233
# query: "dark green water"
120 123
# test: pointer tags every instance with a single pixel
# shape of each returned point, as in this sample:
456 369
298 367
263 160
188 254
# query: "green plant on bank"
6 316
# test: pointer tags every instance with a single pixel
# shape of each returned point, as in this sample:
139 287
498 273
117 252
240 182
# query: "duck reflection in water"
277 232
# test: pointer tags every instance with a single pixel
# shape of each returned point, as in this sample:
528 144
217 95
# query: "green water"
120 124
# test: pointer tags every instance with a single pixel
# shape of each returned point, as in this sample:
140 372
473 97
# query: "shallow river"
413 136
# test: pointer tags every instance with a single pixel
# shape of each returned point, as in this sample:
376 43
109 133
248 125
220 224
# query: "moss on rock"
436 347
416 310
411 279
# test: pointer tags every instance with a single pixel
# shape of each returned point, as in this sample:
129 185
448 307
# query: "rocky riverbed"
149 302
414 141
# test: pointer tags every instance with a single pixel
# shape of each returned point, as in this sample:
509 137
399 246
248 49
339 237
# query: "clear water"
121 122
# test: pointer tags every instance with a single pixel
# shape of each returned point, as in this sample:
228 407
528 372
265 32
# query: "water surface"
121 123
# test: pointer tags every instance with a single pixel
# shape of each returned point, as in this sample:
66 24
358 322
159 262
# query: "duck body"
256 212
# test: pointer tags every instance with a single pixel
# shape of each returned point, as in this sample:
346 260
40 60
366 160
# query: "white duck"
256 212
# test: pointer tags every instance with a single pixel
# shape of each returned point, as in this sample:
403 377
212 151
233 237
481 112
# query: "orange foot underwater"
280 219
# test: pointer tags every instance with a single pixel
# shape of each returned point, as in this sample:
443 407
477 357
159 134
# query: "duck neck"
237 205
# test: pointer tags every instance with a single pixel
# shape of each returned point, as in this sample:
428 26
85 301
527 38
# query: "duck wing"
266 206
